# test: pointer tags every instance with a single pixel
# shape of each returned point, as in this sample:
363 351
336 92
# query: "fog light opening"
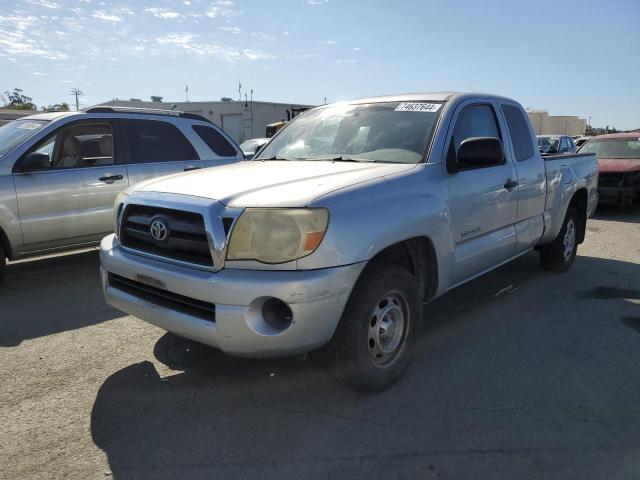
277 314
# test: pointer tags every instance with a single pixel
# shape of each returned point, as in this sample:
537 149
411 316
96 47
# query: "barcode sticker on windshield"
418 107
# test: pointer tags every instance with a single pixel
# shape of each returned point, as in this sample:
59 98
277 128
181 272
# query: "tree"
58 107
16 100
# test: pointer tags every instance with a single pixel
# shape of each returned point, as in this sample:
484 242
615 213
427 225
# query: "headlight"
277 235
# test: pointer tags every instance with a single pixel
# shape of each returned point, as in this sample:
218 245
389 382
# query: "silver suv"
60 172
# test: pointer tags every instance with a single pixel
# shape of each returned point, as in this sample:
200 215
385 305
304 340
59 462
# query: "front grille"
164 298
186 240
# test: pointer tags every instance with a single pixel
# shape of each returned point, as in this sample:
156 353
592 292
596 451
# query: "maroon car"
619 162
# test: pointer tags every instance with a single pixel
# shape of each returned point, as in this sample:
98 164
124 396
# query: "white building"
241 120
545 124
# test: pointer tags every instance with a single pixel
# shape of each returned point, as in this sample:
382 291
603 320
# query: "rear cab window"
519 131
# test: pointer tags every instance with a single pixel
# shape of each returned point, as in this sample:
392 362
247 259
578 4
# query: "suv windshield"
14 133
614 148
389 132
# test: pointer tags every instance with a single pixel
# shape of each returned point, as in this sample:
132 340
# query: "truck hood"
619 165
270 183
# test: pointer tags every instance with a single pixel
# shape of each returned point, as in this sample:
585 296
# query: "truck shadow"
218 416
51 295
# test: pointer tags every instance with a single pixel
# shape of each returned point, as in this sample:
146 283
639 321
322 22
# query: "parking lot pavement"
519 374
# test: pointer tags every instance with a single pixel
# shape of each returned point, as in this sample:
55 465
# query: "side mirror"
33 162
477 152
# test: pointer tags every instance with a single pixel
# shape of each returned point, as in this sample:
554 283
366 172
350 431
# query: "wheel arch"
5 244
418 256
579 201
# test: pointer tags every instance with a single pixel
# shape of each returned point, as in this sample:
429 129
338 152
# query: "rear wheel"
559 255
371 348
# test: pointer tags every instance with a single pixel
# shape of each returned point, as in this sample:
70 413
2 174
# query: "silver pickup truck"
350 219
60 172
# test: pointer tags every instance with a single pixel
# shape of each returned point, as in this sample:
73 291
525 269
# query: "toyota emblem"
159 230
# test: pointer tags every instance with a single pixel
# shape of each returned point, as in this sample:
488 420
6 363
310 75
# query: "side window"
475 121
151 141
519 131
78 146
215 141
564 144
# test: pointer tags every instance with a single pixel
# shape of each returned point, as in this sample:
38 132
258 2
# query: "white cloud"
356 49
221 8
40 74
257 54
19 36
317 2
345 60
163 13
234 30
329 42
44 3
107 17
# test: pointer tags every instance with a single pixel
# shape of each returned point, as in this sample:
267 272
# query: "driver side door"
483 199
70 201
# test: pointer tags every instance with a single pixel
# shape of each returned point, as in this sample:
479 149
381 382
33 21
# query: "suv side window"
156 141
564 144
78 146
215 141
475 121
519 131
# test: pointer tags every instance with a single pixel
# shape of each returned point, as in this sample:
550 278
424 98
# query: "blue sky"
568 57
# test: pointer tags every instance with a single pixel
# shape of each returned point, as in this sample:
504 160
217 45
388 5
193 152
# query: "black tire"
358 353
3 263
559 255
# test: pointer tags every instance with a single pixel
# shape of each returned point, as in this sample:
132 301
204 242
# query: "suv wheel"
372 345
559 255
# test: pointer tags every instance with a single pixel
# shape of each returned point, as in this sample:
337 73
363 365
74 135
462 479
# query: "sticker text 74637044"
418 107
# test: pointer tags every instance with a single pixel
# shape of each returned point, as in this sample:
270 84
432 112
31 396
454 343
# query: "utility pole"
76 92
239 91
252 124
186 93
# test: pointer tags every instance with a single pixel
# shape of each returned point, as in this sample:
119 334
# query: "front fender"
367 218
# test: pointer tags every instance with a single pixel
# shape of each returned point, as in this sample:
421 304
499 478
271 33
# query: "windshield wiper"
275 157
342 158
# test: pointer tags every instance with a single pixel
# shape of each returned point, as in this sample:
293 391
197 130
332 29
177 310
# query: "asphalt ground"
519 374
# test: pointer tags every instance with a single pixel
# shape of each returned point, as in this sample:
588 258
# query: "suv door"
69 201
154 148
483 200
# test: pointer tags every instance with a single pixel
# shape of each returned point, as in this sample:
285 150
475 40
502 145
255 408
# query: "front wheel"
371 348
558 256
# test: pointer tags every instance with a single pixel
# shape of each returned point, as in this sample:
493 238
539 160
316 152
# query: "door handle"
110 178
511 184
188 169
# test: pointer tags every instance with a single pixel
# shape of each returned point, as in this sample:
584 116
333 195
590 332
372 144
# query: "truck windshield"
14 133
386 132
613 148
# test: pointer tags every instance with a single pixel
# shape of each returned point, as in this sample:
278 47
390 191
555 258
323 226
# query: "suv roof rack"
147 111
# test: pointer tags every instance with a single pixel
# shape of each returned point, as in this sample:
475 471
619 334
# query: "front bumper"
316 299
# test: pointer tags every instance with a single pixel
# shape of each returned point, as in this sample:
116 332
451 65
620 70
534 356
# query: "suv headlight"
277 235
